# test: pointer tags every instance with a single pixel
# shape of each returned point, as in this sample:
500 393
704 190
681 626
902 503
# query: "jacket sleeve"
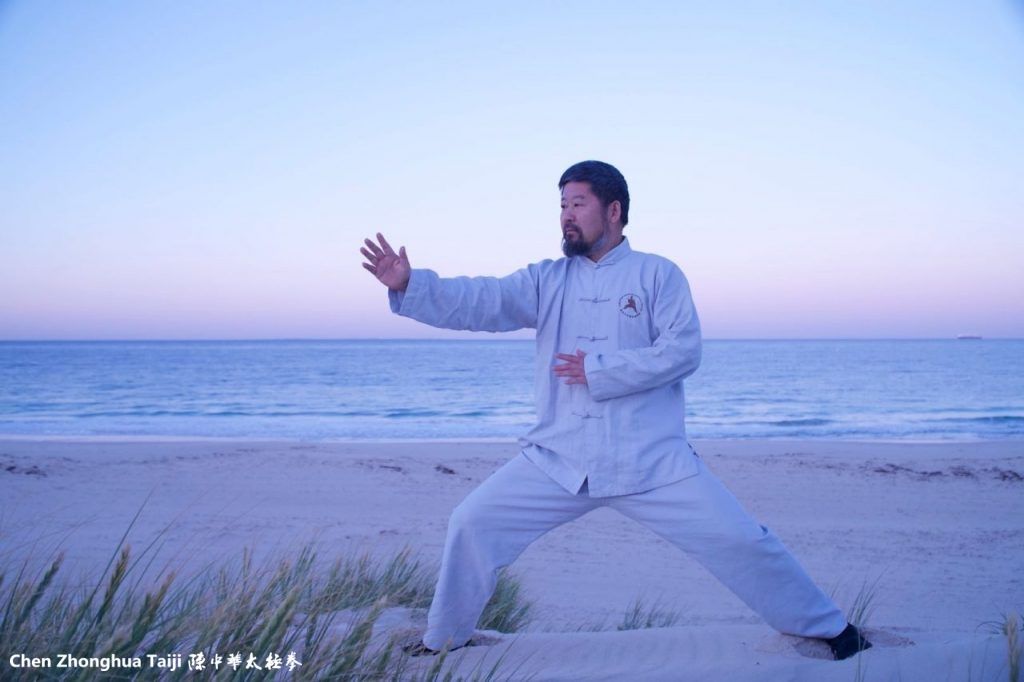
674 355
493 304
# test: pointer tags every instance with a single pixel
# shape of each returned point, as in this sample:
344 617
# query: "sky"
208 170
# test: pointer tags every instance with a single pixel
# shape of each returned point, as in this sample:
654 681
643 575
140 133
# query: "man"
616 335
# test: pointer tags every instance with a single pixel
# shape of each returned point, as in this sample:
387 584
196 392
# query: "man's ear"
614 212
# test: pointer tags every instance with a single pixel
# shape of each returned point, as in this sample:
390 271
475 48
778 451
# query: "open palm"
390 268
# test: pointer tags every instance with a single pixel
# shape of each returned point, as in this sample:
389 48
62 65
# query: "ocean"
416 389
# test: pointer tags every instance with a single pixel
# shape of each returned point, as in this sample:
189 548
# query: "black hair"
605 181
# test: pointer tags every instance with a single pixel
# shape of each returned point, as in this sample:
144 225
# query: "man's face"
584 221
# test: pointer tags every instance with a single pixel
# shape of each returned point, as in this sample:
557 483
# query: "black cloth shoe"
421 649
847 643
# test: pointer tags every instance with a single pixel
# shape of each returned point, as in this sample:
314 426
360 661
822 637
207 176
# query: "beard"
575 247
580 246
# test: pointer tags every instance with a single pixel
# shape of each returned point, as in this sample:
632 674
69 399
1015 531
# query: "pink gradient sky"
208 171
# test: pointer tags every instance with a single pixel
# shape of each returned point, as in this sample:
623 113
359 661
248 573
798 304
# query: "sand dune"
938 528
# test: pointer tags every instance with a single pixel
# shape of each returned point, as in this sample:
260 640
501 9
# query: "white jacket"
633 315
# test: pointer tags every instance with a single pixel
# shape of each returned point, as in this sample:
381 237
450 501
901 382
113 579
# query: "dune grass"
326 619
508 610
639 615
1011 629
862 606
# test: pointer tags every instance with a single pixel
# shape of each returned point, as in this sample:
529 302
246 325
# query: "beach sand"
938 528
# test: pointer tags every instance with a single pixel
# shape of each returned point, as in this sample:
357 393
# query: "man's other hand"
572 371
392 269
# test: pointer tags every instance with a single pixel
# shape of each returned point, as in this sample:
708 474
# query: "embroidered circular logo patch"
630 305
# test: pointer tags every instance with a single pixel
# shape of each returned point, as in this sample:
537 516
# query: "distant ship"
968 337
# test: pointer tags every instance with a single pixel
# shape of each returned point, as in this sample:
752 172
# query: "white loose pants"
519 503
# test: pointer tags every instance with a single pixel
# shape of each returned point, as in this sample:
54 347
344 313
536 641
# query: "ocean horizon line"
488 337
500 440
411 388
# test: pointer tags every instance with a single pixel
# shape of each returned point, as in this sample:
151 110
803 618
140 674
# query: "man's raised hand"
392 269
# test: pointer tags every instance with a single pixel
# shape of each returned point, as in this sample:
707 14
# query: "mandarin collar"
611 258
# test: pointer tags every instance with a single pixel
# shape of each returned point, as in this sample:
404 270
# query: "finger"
373 247
370 268
369 256
581 354
567 358
384 244
401 254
